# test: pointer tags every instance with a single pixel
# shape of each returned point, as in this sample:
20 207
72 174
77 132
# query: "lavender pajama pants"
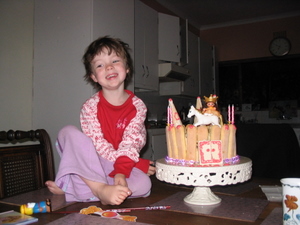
79 158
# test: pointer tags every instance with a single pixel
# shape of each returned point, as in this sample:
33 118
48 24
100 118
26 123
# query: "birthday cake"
205 142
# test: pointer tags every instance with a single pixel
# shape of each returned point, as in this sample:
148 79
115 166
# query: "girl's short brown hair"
112 45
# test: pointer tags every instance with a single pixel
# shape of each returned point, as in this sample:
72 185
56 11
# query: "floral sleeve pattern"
134 137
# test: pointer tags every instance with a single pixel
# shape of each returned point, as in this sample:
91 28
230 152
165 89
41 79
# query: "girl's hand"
120 179
151 169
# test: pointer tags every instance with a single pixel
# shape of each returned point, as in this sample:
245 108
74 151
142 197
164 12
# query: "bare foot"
108 194
112 194
53 188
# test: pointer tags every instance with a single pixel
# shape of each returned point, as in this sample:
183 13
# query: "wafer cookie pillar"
232 141
202 135
225 140
171 142
215 132
191 146
181 141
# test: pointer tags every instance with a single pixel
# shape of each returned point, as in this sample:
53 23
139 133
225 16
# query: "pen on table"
140 208
162 207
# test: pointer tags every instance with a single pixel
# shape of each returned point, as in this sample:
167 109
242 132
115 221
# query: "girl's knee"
70 132
140 187
67 130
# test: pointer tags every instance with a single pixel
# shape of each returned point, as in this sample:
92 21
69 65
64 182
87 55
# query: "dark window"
259 81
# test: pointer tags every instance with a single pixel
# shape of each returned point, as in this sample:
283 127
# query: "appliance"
171 71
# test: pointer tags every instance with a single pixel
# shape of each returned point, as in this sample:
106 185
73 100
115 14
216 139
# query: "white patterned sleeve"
134 137
92 128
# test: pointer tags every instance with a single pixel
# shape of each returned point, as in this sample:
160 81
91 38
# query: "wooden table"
161 190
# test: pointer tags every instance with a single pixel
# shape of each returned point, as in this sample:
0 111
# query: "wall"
60 38
251 40
16 56
42 43
63 30
122 25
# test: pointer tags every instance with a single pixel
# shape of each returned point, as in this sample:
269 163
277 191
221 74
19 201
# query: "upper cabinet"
201 67
146 47
207 69
190 86
169 38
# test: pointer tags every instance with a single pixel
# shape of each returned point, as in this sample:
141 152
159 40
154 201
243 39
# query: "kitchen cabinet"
207 69
206 80
190 86
169 38
184 33
146 47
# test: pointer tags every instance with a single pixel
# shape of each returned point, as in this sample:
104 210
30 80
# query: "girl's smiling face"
109 70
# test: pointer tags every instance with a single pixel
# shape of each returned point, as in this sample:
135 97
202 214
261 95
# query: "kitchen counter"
293 125
273 148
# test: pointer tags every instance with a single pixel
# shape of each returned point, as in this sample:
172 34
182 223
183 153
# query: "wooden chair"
24 167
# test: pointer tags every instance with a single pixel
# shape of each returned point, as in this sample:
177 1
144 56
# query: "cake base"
202 178
202 196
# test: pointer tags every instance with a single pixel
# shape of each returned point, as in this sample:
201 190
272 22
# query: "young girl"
102 162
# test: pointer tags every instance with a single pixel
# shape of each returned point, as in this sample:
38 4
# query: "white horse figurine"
203 119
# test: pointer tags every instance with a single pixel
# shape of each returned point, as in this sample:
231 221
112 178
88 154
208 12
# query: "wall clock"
280 46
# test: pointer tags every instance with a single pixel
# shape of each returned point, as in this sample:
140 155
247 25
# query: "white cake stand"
203 178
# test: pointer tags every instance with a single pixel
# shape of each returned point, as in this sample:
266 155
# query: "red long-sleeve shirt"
118 132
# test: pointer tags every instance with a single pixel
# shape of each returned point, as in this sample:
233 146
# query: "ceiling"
206 14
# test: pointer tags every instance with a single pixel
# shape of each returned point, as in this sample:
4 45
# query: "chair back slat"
25 167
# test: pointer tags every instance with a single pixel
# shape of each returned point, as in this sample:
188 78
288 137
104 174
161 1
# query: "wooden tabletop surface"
160 191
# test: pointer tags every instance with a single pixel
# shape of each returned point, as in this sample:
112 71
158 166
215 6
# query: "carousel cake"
206 142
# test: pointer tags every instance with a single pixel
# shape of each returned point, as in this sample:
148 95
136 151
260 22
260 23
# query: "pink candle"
232 114
169 116
229 114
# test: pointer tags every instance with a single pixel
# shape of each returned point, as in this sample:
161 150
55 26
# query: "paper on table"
231 207
235 189
13 218
273 193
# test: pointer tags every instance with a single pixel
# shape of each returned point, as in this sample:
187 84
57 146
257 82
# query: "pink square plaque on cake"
210 153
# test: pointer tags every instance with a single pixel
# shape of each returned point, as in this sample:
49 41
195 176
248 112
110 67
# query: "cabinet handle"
193 82
178 52
143 71
147 71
